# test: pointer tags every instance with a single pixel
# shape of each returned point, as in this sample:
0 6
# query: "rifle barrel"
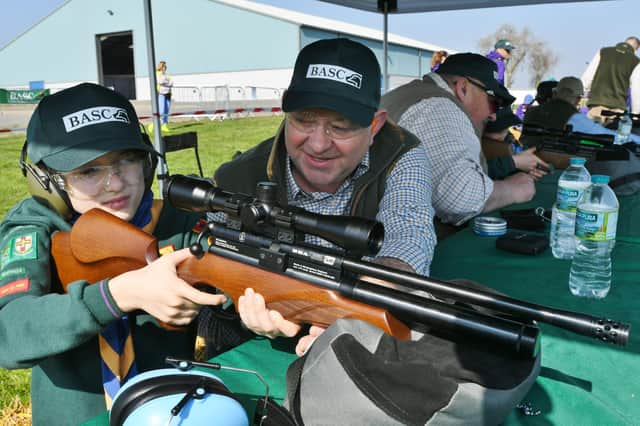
603 329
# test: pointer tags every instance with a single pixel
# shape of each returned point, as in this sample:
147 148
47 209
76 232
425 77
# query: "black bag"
356 374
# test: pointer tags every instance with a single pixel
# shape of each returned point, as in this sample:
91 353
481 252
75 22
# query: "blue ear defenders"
171 396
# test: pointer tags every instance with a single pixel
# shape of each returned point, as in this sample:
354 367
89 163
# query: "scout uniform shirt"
56 333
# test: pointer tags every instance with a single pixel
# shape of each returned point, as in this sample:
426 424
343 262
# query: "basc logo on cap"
335 73
95 115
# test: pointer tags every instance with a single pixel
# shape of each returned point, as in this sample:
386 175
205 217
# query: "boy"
85 150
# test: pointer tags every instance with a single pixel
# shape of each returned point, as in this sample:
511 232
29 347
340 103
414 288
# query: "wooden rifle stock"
101 245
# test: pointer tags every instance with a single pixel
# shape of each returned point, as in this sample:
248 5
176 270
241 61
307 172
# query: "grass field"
217 142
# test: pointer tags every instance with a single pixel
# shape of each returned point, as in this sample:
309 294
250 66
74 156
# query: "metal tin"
489 226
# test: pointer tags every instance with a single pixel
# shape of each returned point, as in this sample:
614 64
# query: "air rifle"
557 146
635 118
260 246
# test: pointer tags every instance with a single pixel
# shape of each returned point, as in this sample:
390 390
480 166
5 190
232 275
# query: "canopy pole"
157 134
385 47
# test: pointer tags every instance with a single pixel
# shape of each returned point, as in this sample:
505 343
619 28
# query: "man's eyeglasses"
494 102
90 181
307 122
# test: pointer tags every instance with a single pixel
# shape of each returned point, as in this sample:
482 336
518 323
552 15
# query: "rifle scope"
354 234
567 133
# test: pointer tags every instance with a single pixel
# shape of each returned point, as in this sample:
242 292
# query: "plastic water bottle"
623 134
596 221
571 185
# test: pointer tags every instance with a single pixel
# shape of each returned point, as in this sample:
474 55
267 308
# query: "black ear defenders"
43 187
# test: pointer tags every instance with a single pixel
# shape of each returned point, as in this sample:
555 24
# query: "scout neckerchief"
115 341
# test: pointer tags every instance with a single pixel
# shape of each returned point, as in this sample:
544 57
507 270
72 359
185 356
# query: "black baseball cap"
77 125
544 91
479 68
337 74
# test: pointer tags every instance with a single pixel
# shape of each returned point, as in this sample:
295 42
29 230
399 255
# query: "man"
335 153
612 75
544 91
448 111
562 110
84 150
500 55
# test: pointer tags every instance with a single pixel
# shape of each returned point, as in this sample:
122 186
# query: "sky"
574 31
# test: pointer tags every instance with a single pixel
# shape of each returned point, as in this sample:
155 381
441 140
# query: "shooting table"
582 381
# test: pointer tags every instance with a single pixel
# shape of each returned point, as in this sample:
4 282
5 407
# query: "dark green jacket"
501 167
267 162
55 333
550 115
611 80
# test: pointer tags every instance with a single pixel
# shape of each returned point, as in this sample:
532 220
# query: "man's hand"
521 186
517 188
305 342
157 290
261 320
528 162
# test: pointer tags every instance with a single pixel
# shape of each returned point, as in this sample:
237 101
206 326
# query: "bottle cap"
489 226
577 161
600 179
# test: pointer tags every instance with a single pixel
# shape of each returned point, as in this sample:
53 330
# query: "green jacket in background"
55 333
611 80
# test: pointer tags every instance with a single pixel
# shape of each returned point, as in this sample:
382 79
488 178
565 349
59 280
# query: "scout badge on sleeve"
21 247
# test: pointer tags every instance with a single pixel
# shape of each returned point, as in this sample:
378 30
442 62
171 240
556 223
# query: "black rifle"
613 124
556 146
262 236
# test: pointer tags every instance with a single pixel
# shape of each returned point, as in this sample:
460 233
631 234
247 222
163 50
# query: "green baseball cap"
479 68
338 74
77 125
504 44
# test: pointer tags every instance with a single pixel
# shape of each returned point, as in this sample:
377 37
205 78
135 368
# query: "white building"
213 48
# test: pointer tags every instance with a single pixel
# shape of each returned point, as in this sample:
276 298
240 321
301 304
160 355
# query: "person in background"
164 94
497 133
522 108
84 150
336 153
438 58
612 76
500 55
544 93
448 111
562 110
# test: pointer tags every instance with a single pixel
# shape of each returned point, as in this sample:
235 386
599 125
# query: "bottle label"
596 226
567 198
